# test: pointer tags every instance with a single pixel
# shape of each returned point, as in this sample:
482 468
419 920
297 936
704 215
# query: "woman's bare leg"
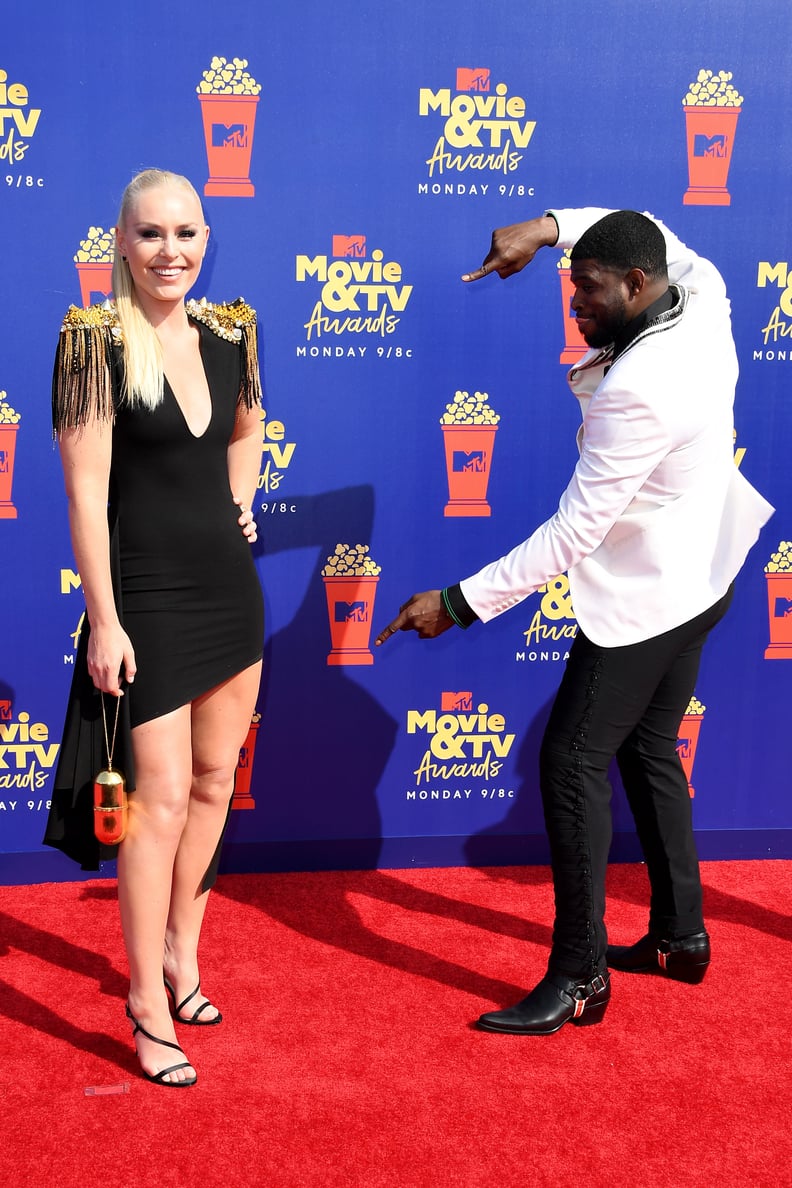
157 814
220 722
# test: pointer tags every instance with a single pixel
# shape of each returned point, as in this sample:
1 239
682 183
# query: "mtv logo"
710 146
452 703
477 79
5 710
476 461
3 461
782 608
350 245
351 612
683 748
229 136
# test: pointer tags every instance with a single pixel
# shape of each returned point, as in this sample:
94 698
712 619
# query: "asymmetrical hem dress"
186 586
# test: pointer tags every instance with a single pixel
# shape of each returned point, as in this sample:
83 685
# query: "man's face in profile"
600 303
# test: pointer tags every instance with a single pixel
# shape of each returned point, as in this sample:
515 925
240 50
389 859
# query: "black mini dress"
190 595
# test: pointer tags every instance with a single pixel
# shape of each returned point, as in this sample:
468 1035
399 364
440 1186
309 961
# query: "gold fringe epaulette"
236 322
82 385
104 315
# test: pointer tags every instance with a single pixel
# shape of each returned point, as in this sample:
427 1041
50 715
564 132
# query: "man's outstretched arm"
515 246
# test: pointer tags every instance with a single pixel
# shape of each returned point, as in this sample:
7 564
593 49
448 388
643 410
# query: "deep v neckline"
188 427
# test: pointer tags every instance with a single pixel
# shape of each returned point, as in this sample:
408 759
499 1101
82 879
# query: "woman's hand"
111 659
246 521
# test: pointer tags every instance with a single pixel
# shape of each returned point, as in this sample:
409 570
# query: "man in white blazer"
652 529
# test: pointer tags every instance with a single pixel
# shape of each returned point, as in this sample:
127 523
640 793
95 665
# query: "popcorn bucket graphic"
779 609
350 605
228 124
710 139
7 452
689 730
242 777
468 457
95 278
574 346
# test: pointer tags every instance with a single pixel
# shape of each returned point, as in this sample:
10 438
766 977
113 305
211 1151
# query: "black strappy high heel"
194 1021
159 1078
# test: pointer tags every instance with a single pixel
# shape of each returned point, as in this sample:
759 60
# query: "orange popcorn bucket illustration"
779 610
8 437
687 741
574 346
95 279
242 798
468 458
228 125
350 607
710 140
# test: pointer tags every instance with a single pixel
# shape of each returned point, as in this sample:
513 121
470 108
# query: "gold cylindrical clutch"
110 807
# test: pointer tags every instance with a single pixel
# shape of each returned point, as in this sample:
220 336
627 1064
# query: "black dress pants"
625 702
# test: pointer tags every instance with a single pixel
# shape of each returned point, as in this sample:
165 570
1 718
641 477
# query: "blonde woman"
156 411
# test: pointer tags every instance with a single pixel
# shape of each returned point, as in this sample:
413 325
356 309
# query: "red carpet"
347 1057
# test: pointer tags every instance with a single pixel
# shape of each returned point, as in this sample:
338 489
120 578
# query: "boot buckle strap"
584 993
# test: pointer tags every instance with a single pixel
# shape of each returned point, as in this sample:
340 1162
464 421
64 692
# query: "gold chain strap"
110 746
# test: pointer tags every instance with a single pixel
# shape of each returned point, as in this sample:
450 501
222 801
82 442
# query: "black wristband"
549 214
458 607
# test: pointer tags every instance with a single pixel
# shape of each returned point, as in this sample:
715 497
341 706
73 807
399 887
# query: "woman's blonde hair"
143 371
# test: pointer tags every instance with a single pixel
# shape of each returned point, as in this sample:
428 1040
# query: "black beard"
604 335
600 338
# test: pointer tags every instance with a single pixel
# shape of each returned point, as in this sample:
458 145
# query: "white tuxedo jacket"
657 520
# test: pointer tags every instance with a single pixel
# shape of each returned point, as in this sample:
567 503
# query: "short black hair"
623 240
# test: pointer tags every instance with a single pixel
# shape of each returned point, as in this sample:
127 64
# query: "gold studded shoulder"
95 317
236 322
228 320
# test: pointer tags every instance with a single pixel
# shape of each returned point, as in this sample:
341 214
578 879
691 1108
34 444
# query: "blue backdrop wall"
354 159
